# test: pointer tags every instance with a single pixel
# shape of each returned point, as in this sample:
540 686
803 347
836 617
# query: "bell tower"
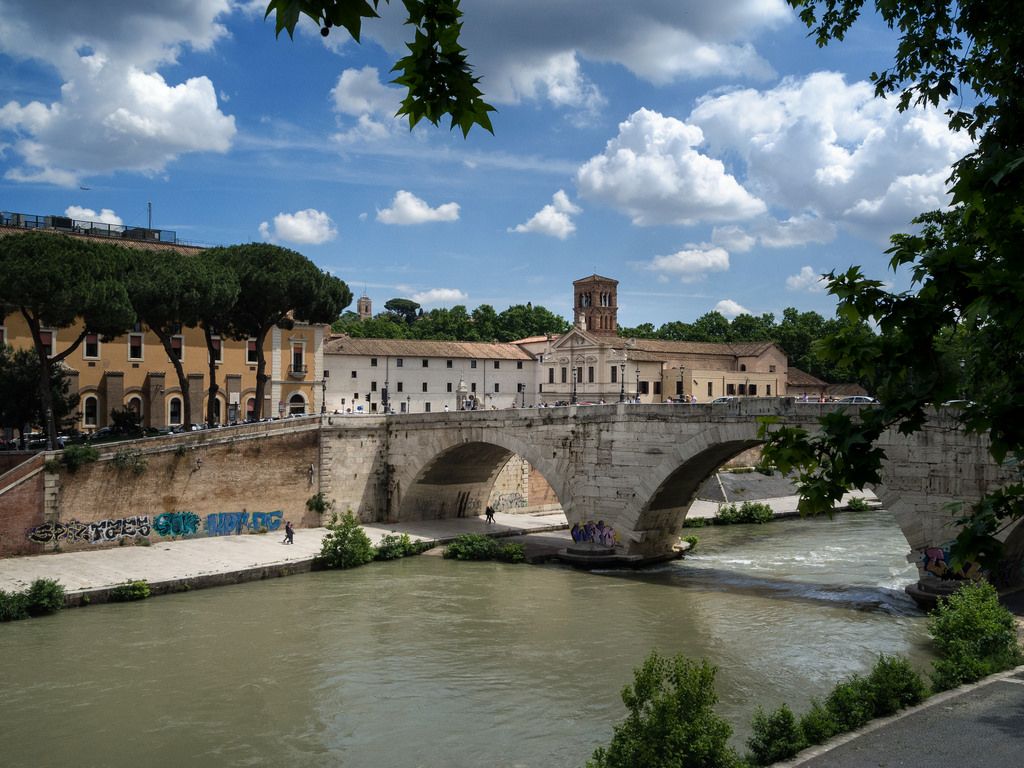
364 307
595 305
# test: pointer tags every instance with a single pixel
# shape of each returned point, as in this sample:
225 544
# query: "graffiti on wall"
234 523
512 500
937 561
598 533
101 531
176 524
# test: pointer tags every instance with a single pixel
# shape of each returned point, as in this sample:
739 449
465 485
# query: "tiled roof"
798 378
697 347
345 345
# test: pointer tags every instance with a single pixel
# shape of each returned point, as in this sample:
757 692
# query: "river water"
428 662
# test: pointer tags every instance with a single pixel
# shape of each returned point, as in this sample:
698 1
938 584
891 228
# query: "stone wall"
21 506
354 470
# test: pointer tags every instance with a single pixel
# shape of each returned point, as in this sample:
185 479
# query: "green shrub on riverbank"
776 736
346 544
393 547
975 636
44 596
747 512
858 504
130 591
476 546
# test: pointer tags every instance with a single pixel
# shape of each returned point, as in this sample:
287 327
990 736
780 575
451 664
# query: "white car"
857 400
725 399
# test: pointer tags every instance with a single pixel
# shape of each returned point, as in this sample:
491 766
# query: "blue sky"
706 155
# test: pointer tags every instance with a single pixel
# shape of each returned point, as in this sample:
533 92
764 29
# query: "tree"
485 323
170 291
20 402
277 287
966 263
711 327
444 324
671 721
55 281
402 309
521 321
436 74
220 292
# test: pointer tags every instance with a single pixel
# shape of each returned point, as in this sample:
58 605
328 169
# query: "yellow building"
133 371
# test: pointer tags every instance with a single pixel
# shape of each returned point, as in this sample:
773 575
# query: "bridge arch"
454 475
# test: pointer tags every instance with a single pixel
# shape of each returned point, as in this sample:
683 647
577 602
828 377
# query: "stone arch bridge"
636 467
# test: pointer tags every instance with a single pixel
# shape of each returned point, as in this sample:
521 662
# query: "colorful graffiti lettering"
233 523
74 532
597 534
176 524
936 561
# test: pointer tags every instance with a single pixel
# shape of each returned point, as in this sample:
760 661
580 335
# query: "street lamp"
323 392
573 400
638 382
408 403
622 378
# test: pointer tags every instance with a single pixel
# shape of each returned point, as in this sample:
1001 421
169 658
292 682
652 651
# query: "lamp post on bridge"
572 401
638 382
323 391
622 378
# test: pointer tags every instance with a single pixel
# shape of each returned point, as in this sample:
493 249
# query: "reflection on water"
426 662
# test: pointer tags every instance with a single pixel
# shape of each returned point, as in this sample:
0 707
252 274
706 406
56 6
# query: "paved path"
257 555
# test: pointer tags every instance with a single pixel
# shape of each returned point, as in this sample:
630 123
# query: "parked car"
724 399
857 400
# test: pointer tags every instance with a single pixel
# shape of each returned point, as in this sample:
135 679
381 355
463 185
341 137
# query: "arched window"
250 408
216 411
135 405
296 404
743 366
174 411
90 411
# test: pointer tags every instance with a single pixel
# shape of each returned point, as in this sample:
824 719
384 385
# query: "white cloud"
653 172
440 296
558 78
105 216
554 219
691 264
115 111
360 92
407 209
832 152
307 227
733 239
731 309
807 280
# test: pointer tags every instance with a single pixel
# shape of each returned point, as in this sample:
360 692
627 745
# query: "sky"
708 156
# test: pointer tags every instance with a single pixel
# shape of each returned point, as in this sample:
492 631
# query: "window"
743 366
472 387
134 346
768 390
373 362
135 406
771 369
579 374
519 365
353 374
496 387
520 387
90 411
399 387
398 362
355 396
449 386
426 407
216 410
472 363
709 389
218 349
730 389
426 363
447 363
551 375
296 404
298 357
742 389
565 374
373 386
91 346
250 408
251 355
497 364
679 387
657 387
590 374
174 411
424 386
645 387
752 389
401 407
615 374
178 347
49 339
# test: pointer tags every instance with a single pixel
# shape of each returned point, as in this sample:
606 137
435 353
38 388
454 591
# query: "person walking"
489 514
289 533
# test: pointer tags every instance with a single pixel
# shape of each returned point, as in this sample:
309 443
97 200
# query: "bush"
858 504
346 545
471 546
895 685
319 504
692 541
817 724
130 591
392 547
851 703
748 512
75 456
13 606
776 736
126 458
511 553
974 635
695 522
671 719
44 596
